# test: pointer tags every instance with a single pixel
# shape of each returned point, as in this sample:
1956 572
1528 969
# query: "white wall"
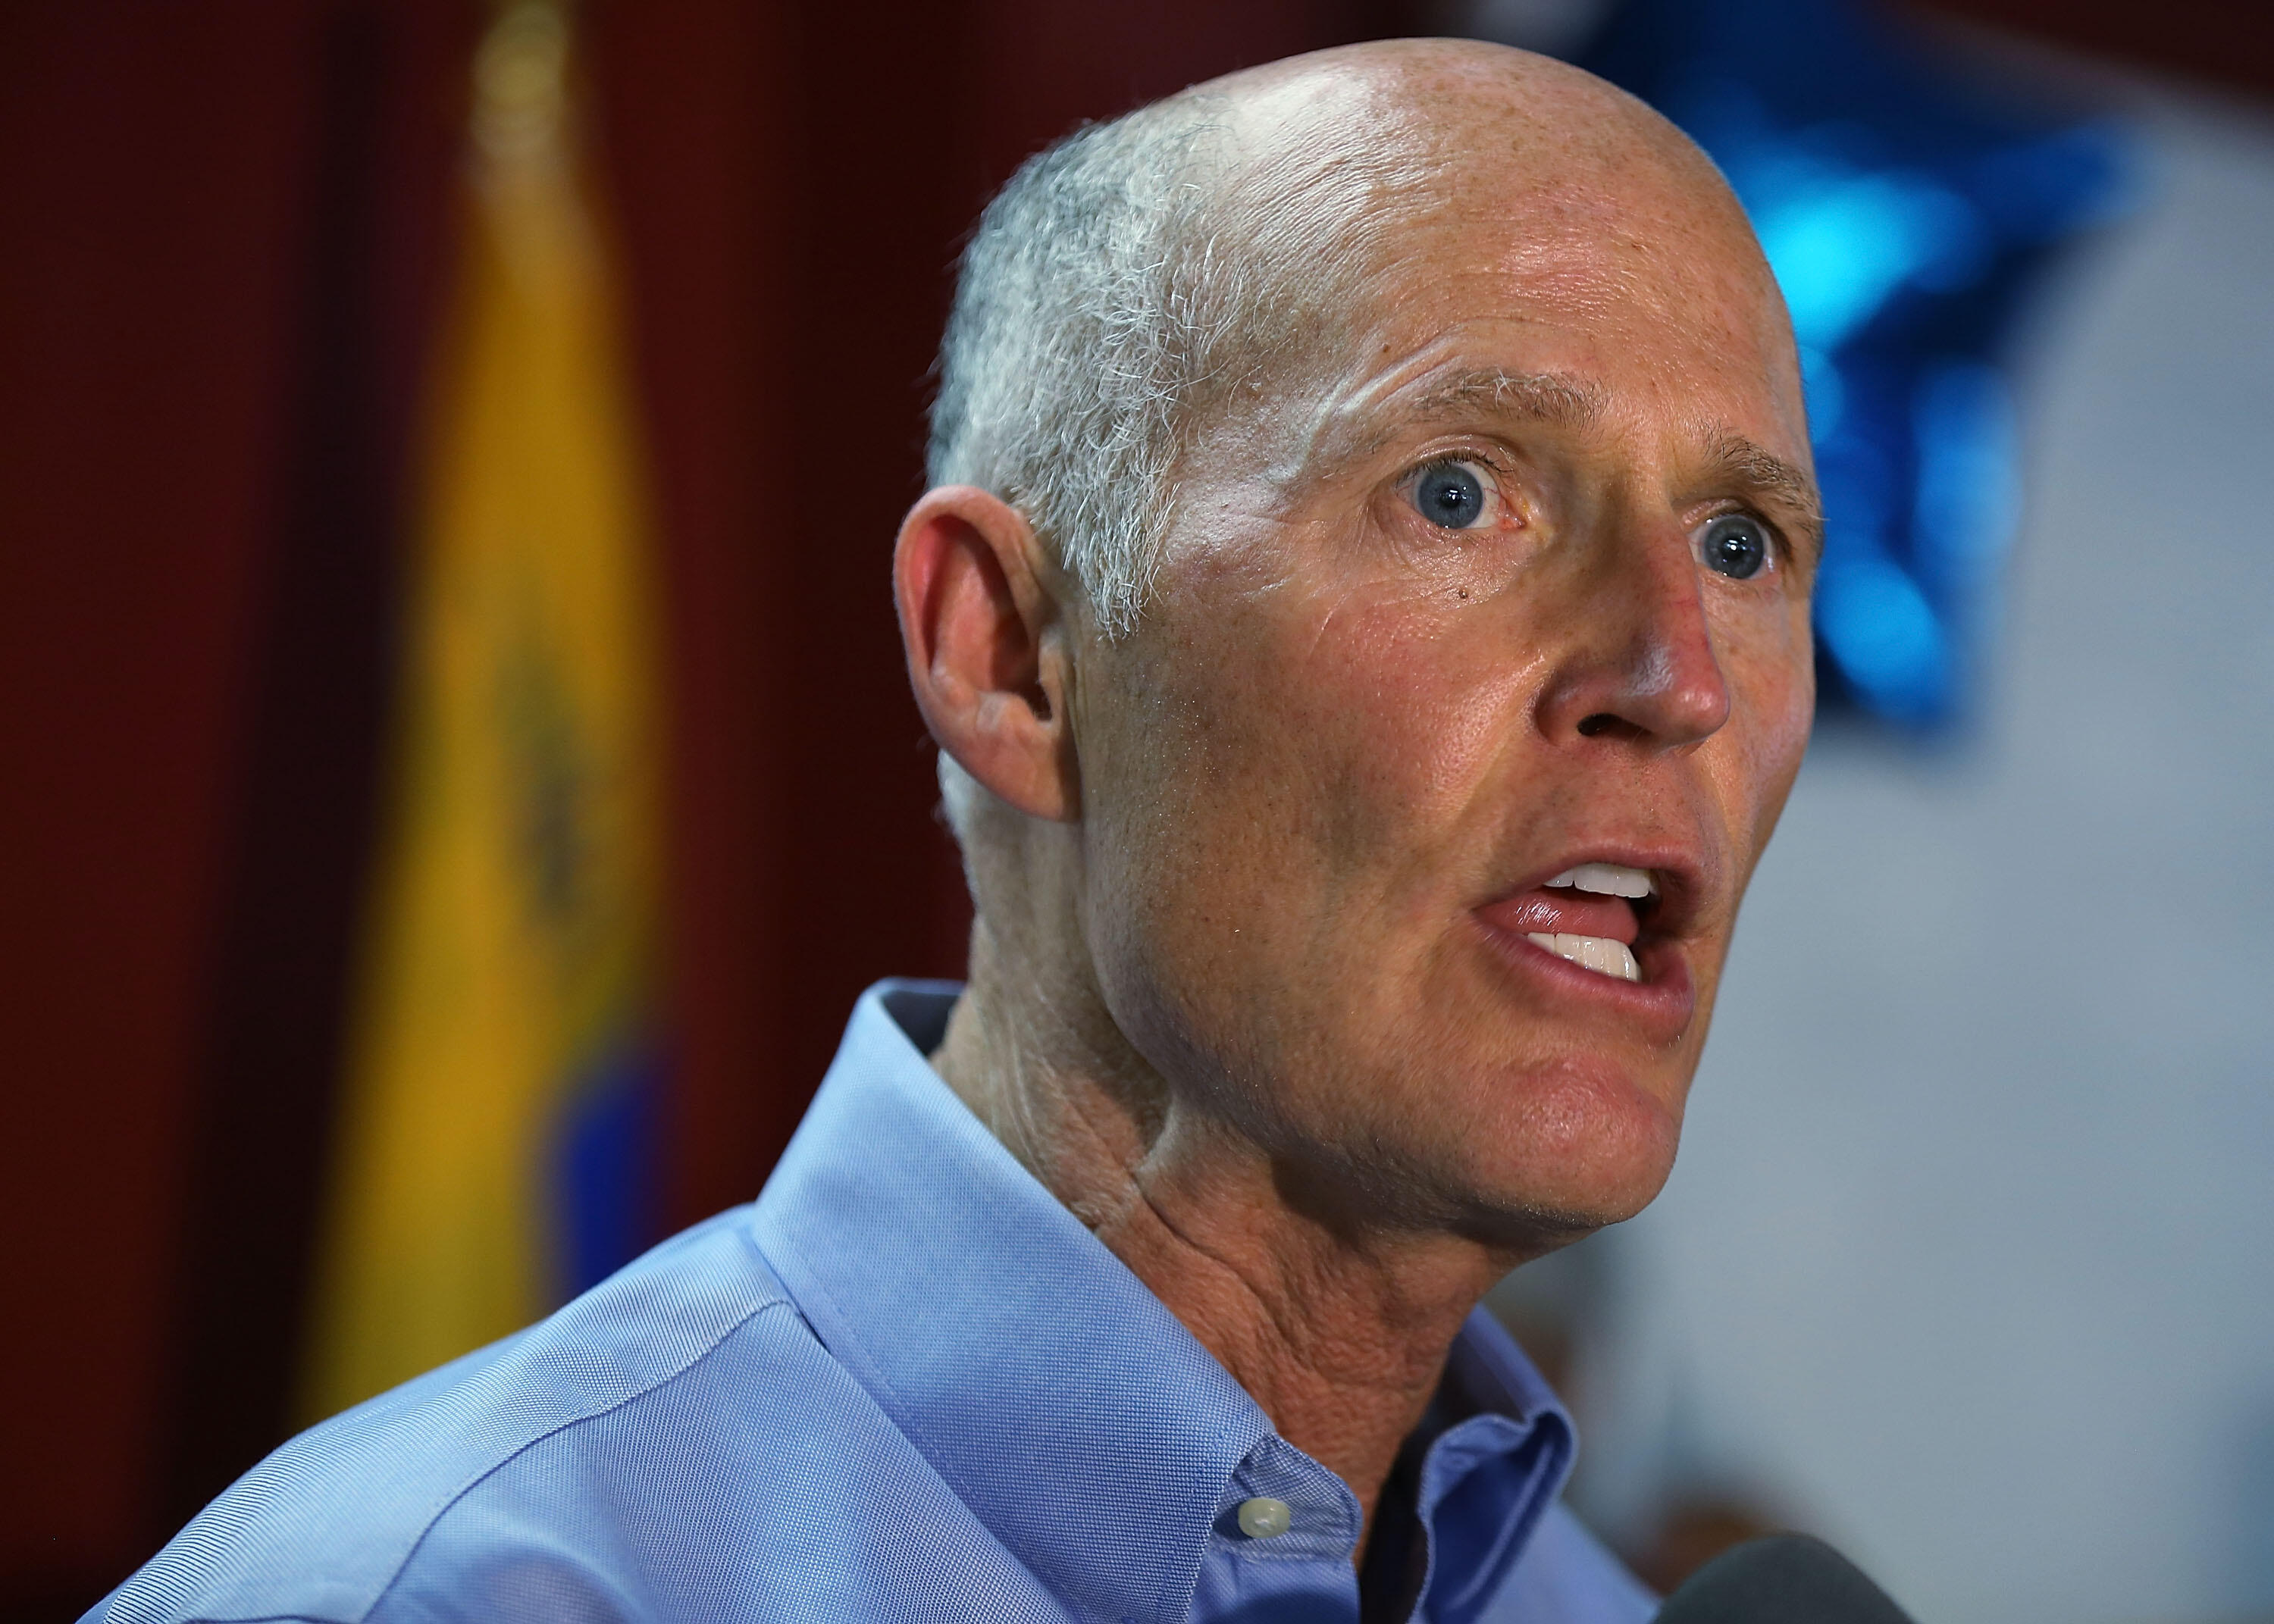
1970 1257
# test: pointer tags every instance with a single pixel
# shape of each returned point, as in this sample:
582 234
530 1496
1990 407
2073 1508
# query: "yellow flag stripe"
513 923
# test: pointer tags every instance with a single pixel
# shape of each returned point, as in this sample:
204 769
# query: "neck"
1338 1326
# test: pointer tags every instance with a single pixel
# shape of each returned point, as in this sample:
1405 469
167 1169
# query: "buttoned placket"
1284 1531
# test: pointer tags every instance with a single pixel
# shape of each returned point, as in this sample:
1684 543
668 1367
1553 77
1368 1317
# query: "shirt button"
1263 1517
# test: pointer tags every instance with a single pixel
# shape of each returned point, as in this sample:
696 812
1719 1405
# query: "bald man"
1362 605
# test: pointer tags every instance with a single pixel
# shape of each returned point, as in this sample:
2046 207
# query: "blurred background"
458 771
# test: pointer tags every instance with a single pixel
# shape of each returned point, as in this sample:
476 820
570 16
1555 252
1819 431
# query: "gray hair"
1097 315
1080 326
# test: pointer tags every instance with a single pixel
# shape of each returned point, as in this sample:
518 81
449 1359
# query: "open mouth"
1591 915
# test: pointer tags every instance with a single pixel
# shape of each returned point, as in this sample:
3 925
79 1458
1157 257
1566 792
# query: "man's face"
1520 586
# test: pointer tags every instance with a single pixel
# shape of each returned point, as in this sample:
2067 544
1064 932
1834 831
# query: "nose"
1643 667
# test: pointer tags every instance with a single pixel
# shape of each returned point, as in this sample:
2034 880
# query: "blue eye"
1450 495
1737 545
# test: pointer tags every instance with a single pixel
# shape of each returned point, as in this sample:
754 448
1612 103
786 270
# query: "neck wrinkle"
1340 1336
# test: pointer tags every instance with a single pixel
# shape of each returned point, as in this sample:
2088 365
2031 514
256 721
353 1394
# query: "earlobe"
982 627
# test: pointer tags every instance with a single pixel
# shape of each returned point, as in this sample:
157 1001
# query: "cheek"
1773 675
1427 694
1301 801
1394 711
1779 682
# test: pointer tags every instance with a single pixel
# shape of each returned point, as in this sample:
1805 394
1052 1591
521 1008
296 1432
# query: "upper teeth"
1609 879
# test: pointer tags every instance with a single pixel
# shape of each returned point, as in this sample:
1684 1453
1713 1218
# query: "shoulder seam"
502 1462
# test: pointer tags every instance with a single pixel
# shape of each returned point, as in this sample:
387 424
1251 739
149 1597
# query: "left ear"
982 625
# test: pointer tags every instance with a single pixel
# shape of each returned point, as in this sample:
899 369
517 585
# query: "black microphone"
1783 1579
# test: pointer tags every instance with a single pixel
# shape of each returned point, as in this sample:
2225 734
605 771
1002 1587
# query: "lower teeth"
1603 954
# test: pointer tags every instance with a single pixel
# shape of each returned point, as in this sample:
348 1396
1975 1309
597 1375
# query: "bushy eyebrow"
1542 397
1559 402
1737 465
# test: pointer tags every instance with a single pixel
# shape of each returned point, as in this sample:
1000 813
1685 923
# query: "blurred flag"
494 1128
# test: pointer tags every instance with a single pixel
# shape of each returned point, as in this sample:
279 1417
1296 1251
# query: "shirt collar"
1500 1448
1075 1416
1071 1410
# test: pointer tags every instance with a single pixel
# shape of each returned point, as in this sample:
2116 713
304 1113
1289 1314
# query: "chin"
1566 1149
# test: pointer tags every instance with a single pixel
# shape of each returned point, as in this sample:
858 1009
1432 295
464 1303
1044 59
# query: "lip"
1660 1005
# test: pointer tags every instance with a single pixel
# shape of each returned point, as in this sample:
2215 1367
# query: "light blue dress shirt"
905 1384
